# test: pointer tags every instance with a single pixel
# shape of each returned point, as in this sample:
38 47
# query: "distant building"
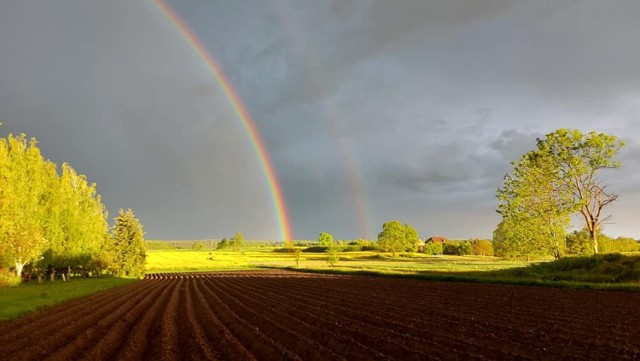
437 239
420 246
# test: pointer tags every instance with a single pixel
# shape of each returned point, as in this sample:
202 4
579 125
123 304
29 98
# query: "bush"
433 248
608 268
457 248
9 279
351 248
367 245
482 247
315 249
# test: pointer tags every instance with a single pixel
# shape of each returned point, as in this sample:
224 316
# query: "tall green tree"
80 229
128 248
237 241
534 200
396 237
23 184
578 159
550 183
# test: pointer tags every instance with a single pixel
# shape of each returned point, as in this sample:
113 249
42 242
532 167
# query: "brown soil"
274 315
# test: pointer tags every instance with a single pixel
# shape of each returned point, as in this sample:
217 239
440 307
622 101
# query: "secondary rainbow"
247 123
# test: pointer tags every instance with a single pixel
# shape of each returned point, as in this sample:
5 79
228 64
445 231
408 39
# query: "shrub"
9 279
482 247
457 248
351 248
367 245
315 249
433 248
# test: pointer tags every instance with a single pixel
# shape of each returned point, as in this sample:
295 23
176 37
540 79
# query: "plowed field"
276 315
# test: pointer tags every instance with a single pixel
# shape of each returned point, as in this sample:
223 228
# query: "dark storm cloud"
112 89
417 106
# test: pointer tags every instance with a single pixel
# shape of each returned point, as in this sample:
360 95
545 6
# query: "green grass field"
602 272
15 301
191 260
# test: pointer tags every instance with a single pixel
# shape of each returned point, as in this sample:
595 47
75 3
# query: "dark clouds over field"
412 108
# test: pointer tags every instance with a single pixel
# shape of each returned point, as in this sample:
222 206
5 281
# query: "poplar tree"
23 182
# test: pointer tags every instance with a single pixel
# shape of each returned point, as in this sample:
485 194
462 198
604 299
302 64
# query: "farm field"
290 315
252 258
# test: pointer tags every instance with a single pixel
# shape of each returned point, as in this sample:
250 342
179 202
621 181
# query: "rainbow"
248 124
334 117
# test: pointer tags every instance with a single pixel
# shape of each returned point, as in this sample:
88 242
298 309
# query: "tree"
578 159
533 200
579 242
325 240
223 244
23 183
237 241
554 181
128 245
396 237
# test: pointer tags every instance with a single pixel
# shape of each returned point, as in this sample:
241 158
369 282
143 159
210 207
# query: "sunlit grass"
15 301
192 260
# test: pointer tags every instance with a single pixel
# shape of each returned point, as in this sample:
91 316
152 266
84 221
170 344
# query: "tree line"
52 219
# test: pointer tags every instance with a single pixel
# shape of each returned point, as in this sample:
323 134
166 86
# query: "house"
420 246
437 239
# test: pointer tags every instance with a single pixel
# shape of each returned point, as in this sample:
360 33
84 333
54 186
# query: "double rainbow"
265 162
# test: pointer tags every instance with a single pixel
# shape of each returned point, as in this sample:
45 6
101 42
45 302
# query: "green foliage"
578 158
618 245
237 241
315 249
457 248
332 258
579 243
396 238
325 239
58 221
549 184
432 248
198 246
224 244
156 245
9 279
481 247
604 268
510 242
367 245
128 245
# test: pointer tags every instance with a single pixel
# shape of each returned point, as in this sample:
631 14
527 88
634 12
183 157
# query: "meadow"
605 271
15 301
176 260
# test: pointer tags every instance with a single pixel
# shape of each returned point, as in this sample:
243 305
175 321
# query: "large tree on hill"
396 237
557 179
129 250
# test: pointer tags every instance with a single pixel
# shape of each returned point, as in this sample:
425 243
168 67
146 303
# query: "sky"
370 111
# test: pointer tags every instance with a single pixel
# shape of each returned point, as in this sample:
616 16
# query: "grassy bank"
15 301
